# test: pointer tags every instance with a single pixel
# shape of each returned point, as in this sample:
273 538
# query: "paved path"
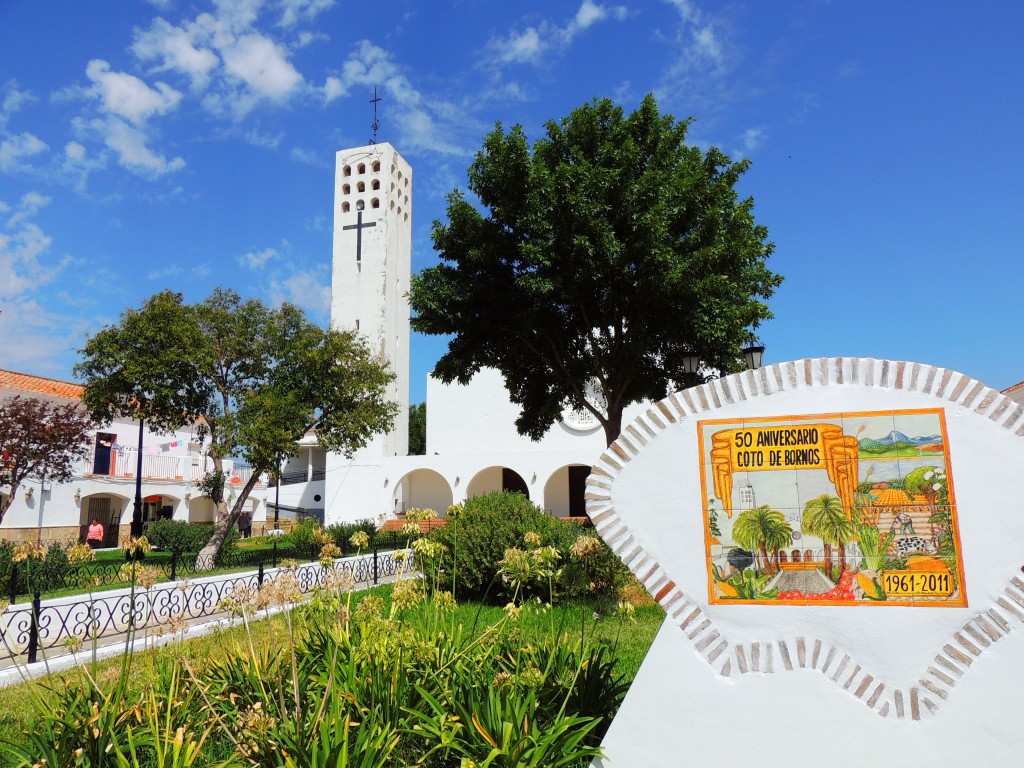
807 581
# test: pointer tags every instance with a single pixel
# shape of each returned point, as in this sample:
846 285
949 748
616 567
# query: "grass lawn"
631 639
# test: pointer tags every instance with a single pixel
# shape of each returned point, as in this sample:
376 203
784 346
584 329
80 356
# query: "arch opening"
564 491
422 489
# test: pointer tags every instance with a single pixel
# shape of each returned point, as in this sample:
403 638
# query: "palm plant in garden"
825 518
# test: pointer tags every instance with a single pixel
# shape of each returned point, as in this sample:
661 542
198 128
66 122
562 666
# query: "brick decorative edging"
952 661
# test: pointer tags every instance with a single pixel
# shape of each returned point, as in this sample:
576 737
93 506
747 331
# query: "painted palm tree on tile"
763 530
825 518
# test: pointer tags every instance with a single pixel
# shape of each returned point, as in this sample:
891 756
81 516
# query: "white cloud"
23 244
265 140
14 148
32 338
74 151
159 274
752 138
703 56
700 45
293 11
308 156
127 96
79 163
706 45
849 69
333 89
130 145
421 123
531 44
263 65
305 290
256 259
175 49
520 47
13 100
28 206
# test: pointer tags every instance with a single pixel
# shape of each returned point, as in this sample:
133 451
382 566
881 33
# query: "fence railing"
35 626
54 575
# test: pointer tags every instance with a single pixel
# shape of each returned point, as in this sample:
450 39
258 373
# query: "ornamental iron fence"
56 574
32 627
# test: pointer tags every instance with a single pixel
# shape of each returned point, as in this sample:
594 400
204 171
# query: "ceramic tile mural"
839 508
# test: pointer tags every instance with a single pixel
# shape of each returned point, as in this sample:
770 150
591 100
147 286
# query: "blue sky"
185 145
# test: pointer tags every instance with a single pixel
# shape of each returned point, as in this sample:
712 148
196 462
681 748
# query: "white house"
104 483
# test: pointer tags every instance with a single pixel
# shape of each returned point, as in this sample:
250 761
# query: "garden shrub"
476 538
43 573
178 536
304 535
341 533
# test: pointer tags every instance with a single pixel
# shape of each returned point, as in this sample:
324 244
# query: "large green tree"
595 263
144 368
269 377
418 429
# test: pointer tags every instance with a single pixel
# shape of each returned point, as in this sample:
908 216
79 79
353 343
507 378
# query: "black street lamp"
277 493
136 528
753 353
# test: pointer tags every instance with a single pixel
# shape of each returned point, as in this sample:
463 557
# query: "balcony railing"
302 476
156 466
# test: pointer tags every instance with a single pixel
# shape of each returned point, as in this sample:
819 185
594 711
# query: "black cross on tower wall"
359 226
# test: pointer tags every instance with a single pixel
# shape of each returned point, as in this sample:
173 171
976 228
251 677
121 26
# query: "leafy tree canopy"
40 438
418 429
605 254
254 379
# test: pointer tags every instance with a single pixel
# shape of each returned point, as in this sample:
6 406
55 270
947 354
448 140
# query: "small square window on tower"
347 170
361 169
376 166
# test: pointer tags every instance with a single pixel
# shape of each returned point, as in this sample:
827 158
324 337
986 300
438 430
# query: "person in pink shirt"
95 536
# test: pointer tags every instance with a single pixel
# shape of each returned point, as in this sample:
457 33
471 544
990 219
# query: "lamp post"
277 492
753 353
753 356
136 528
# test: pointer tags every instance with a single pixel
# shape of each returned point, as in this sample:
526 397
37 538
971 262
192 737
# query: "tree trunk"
828 559
842 557
612 426
225 520
764 558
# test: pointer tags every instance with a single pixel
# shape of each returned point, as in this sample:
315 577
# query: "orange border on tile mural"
713 599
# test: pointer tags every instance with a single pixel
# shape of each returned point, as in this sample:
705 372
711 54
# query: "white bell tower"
371 269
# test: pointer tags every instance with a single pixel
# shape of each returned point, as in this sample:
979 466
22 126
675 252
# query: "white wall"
920 684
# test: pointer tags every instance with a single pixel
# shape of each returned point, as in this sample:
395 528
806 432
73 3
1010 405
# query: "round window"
581 419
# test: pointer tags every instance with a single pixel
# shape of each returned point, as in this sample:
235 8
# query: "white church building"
472 444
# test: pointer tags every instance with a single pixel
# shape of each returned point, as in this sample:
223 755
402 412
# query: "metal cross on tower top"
376 123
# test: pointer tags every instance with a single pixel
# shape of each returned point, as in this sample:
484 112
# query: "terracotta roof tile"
1014 388
26 382
892 497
